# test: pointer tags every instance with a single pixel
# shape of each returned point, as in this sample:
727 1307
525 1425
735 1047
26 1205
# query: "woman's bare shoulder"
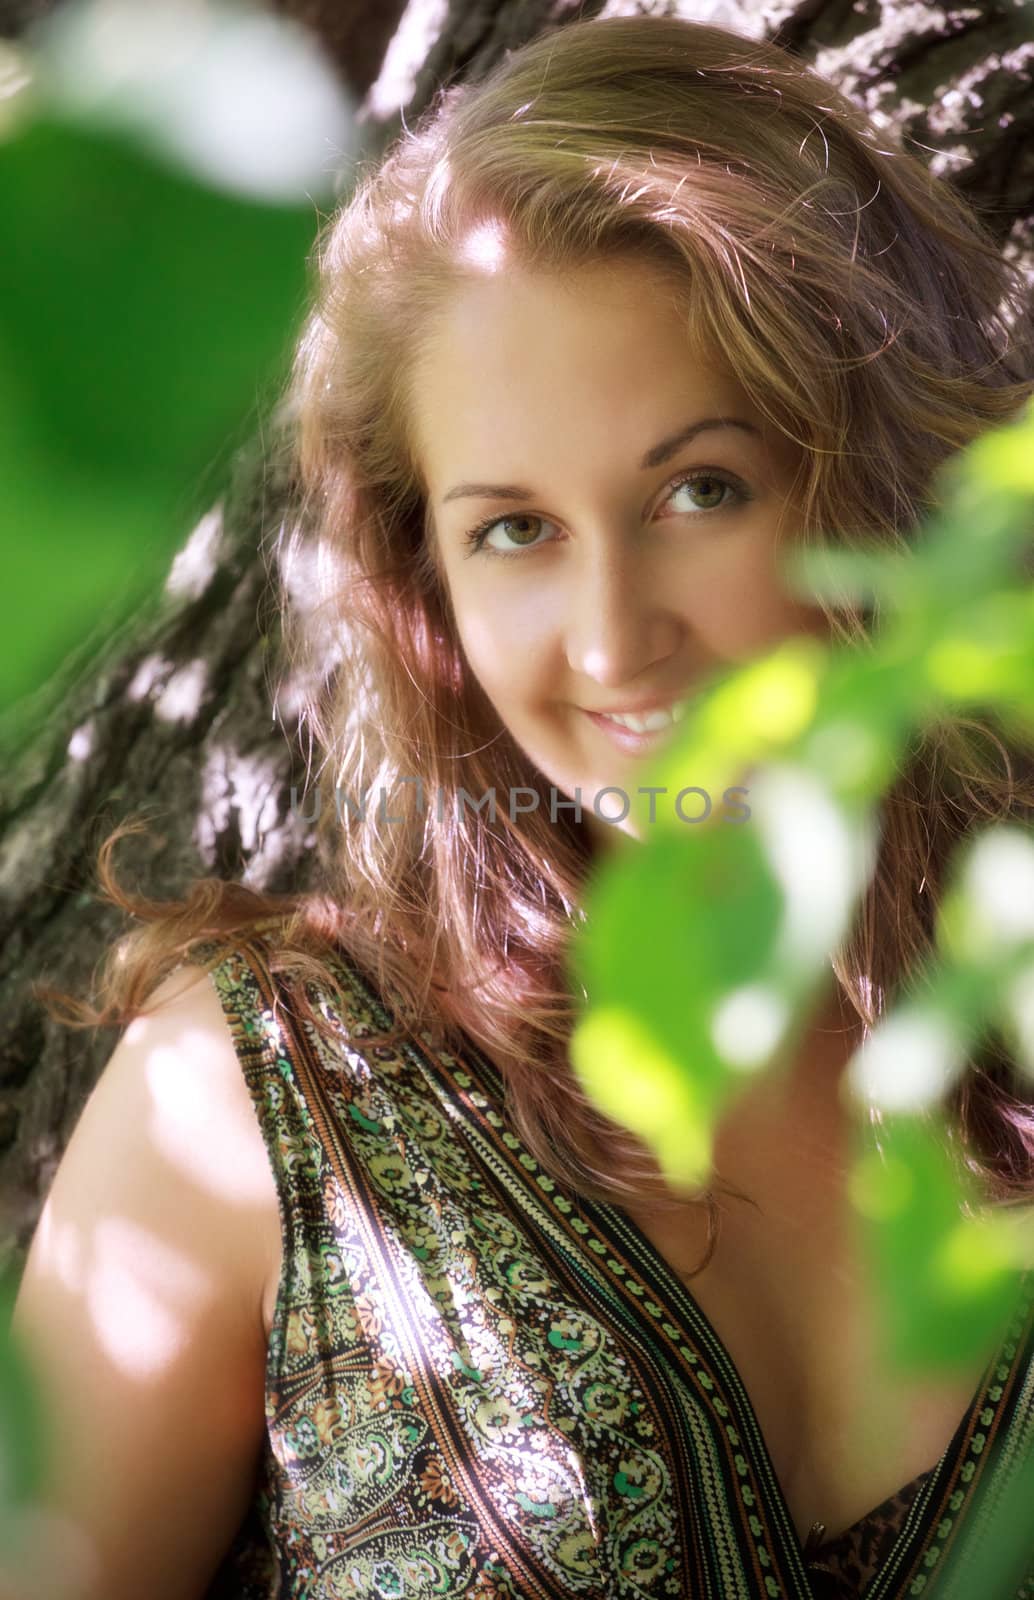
185 1014
141 1305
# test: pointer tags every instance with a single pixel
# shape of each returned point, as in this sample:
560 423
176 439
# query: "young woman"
343 1287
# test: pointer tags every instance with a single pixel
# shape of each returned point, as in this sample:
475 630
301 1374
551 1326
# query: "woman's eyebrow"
653 458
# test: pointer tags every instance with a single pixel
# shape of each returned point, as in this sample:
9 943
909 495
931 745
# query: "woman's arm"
141 1306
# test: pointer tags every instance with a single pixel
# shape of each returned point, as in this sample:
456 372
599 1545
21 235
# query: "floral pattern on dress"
479 1385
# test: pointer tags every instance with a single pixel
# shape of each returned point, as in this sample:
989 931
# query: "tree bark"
175 717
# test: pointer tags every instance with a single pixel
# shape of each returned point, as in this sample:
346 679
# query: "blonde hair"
865 310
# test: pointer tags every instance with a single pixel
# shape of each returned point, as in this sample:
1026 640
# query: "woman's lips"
626 740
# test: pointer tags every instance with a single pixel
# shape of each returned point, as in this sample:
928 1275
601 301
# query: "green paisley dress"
479 1385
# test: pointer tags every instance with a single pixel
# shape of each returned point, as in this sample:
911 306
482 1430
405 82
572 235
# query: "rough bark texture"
176 717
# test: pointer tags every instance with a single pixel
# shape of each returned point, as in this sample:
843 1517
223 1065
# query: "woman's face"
562 415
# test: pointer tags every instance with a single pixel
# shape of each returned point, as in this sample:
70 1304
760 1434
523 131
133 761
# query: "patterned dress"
479 1385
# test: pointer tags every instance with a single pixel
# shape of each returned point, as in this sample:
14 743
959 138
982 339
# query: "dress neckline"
1001 1370
602 1241
816 1542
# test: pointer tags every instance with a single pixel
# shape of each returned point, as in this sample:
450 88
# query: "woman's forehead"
527 373
499 345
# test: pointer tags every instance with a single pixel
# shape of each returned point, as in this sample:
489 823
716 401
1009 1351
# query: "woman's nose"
620 621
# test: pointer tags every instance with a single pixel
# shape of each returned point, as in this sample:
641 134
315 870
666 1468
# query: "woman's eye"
713 484
716 487
478 535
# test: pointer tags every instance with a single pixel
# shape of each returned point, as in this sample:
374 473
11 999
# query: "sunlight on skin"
154 1231
133 1284
183 1096
62 1244
485 247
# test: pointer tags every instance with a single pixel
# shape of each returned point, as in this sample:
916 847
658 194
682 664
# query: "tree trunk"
176 717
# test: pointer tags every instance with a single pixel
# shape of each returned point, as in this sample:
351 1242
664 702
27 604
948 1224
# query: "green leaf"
945 1282
673 933
21 1418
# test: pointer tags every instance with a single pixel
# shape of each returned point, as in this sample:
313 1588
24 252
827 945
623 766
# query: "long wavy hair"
869 314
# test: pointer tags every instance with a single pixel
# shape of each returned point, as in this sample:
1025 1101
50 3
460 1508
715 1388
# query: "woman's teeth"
649 721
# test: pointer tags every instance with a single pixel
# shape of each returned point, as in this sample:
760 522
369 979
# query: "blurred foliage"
161 172
149 288
22 1450
705 950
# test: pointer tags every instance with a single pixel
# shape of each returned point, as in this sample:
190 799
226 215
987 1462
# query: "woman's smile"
613 435
640 740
